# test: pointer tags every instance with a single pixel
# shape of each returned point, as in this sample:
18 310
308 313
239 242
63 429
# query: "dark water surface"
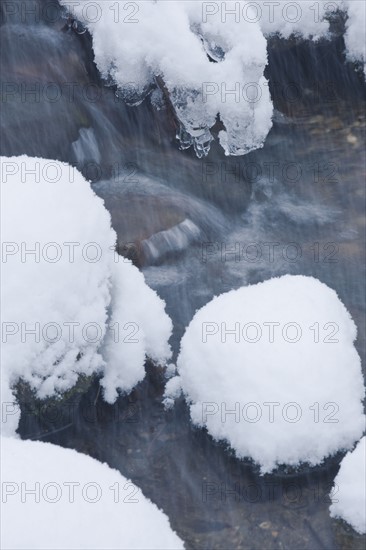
178 218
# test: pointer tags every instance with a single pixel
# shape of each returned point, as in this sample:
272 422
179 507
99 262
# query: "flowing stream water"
197 228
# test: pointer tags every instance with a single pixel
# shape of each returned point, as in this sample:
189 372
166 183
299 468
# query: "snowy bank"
349 495
70 305
76 502
272 370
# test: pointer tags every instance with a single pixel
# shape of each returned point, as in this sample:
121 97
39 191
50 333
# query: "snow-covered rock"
136 43
77 502
311 21
70 305
349 493
272 370
208 56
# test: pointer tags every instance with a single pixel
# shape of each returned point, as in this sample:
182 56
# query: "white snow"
48 286
140 44
77 502
349 492
147 331
70 307
303 18
355 37
173 389
136 42
310 20
281 393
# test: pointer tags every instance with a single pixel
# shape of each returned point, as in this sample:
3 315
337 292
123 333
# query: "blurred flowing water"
197 228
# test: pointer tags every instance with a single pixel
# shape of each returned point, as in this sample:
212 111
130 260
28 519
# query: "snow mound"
70 305
272 370
205 64
77 502
349 495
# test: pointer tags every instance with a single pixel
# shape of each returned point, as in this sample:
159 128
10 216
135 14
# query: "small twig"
35 437
96 399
